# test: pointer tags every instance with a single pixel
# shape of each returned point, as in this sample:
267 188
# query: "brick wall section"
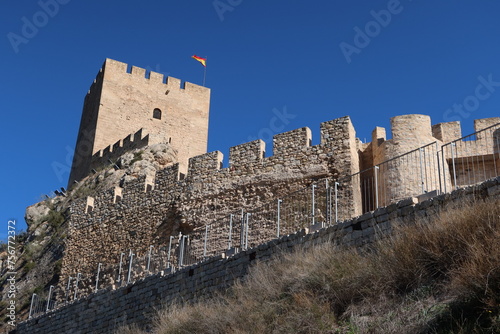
107 310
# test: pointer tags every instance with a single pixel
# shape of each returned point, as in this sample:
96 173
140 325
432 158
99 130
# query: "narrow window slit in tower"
157 113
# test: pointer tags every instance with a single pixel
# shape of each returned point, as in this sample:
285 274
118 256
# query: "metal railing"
472 159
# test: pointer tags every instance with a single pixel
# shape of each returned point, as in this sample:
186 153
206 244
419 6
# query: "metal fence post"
181 250
97 277
131 259
76 285
242 232
149 258
246 229
67 288
48 299
120 267
169 251
439 169
376 186
31 306
421 170
278 220
205 243
453 163
336 202
230 242
328 202
313 204
444 168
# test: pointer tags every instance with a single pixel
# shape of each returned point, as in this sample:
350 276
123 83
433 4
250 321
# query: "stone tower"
125 109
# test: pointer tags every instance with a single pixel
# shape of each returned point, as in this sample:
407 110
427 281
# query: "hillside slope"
440 276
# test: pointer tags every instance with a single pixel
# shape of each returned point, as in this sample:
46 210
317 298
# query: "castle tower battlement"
111 153
121 102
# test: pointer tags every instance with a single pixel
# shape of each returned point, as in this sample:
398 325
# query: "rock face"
36 212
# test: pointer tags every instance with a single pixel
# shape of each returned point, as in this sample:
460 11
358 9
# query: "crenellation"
288 143
118 194
114 65
156 77
149 182
107 151
167 177
205 163
117 146
174 83
114 152
334 130
378 136
95 83
138 72
447 132
128 143
483 123
90 204
138 136
247 154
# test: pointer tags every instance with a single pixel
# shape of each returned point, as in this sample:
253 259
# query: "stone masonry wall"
137 303
144 216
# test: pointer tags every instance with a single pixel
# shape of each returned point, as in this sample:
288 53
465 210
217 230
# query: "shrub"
137 157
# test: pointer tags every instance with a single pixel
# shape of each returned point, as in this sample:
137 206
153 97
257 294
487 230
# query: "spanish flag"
203 61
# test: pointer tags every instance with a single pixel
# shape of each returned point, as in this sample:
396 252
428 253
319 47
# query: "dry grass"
434 277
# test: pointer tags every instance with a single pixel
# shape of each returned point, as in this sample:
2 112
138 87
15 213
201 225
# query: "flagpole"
205 72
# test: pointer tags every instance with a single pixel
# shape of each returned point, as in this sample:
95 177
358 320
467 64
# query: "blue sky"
313 61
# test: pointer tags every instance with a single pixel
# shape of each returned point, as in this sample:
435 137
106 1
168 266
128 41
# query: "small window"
157 113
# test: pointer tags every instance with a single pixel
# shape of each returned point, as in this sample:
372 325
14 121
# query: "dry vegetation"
441 276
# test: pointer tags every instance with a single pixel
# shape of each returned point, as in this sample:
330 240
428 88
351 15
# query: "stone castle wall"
147 211
137 304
